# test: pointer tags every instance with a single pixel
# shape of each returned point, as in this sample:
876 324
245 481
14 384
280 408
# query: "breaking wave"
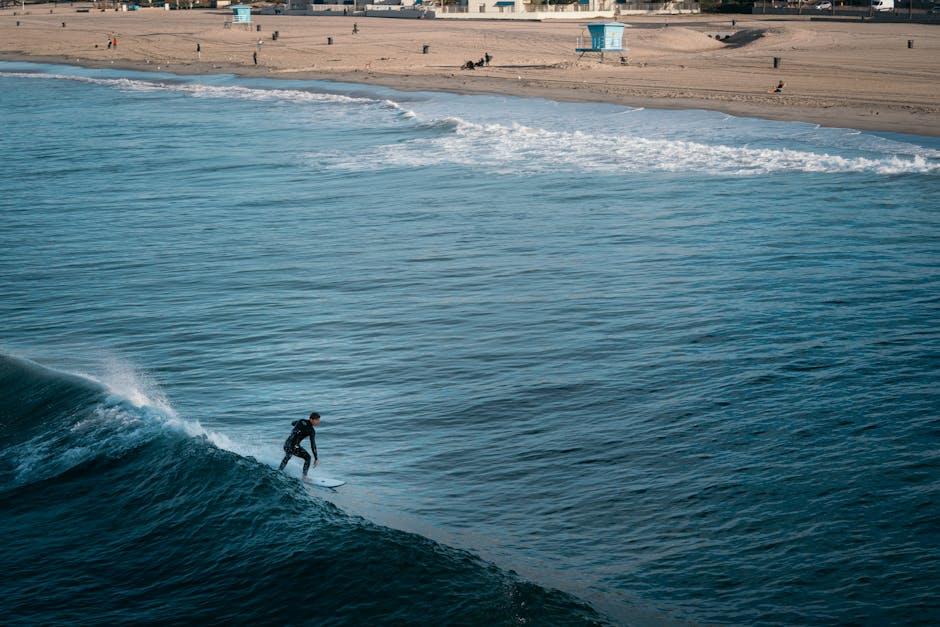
515 148
117 510
202 90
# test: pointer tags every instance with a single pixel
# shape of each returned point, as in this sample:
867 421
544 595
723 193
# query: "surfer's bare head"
314 418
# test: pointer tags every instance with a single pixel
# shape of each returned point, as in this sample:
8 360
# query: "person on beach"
302 429
779 88
355 28
254 56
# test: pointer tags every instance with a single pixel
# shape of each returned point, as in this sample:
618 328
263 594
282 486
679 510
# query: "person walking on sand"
355 28
254 56
302 429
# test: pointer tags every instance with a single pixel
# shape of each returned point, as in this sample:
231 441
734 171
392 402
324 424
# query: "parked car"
825 5
882 5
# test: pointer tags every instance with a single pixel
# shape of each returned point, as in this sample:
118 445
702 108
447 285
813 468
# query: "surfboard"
324 482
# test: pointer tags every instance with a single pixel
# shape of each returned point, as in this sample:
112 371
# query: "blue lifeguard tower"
605 37
241 14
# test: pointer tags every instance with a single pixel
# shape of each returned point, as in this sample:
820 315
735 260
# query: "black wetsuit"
302 429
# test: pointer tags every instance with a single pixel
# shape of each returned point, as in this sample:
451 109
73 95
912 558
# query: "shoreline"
506 87
909 105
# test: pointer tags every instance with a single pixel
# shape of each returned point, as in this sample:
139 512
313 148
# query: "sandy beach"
842 74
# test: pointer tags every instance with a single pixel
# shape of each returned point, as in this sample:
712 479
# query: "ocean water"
578 363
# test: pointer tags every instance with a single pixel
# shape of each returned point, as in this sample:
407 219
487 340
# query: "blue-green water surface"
578 363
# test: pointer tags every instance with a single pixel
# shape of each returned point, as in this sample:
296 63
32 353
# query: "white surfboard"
324 482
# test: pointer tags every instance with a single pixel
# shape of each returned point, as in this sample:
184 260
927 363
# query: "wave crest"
181 532
59 420
515 148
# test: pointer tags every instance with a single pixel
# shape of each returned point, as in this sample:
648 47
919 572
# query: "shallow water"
578 363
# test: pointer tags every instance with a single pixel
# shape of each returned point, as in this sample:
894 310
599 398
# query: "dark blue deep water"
579 364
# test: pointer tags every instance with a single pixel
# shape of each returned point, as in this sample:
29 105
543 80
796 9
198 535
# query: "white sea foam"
200 90
135 410
515 148
498 147
123 380
127 383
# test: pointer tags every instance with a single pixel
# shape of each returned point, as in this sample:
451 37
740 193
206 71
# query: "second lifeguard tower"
605 37
241 15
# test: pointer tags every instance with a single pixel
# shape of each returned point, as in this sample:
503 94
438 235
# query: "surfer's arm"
313 447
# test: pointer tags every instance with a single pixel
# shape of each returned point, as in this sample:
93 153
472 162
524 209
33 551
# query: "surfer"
302 429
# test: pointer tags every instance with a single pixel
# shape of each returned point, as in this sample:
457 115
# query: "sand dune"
679 39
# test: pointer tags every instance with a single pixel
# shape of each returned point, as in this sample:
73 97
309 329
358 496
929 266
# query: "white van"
882 5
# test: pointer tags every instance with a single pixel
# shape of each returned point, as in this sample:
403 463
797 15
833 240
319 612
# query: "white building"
580 9
526 9
492 9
